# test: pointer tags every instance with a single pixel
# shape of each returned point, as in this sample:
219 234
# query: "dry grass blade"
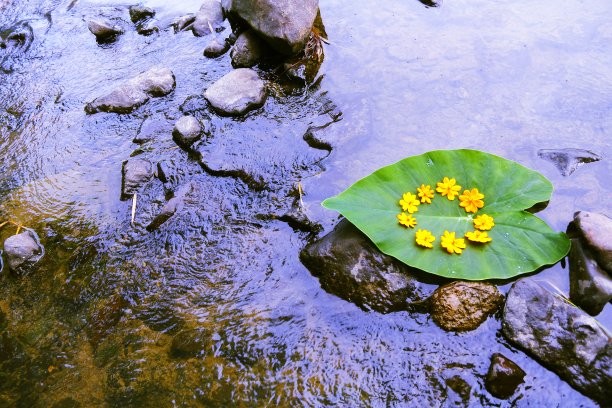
133 209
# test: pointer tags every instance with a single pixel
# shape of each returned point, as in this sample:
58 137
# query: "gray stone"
350 266
139 12
247 50
237 92
136 172
463 306
596 229
184 22
173 205
216 48
568 160
104 31
284 24
152 128
135 92
147 28
504 376
23 250
590 286
209 15
561 337
187 131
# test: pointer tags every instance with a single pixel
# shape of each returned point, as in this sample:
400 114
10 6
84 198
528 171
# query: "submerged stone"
151 128
561 337
596 231
503 377
590 286
247 50
173 205
216 48
152 83
568 160
189 343
463 306
350 266
23 250
139 12
104 31
284 24
237 92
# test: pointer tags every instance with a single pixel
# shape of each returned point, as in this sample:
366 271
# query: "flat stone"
283 24
135 92
174 205
590 286
216 48
463 306
136 172
23 250
568 160
561 337
350 266
184 23
237 92
209 15
504 376
104 30
139 12
247 51
151 128
596 229
187 131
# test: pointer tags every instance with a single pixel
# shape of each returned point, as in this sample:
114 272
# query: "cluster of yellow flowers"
470 200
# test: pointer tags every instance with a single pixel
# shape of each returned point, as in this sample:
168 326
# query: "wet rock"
314 138
184 23
187 131
152 128
23 250
298 220
137 91
104 31
173 205
590 286
463 306
349 265
247 50
167 171
596 229
216 48
209 15
189 343
503 377
237 92
284 24
139 13
147 28
568 160
431 3
217 163
136 172
561 337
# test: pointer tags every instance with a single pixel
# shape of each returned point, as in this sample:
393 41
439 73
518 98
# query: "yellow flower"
407 219
452 244
478 236
409 202
484 222
471 200
424 238
448 188
426 193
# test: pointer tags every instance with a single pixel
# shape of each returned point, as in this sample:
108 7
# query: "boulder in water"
23 250
237 92
104 31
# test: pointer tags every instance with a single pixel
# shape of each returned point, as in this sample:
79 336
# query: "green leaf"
521 241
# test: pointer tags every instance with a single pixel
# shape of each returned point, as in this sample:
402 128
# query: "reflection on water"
214 307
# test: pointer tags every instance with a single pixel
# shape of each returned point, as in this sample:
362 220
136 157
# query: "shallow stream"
95 323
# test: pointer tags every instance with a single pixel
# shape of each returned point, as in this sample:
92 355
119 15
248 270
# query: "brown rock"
596 229
463 306
504 376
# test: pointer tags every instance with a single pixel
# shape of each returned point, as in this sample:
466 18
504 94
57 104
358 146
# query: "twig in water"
210 27
133 208
301 193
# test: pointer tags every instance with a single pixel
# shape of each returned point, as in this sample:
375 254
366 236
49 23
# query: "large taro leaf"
521 241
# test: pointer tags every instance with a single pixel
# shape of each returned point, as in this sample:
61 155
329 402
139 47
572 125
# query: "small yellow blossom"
409 202
426 193
478 236
471 200
407 219
448 188
424 238
484 222
452 244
